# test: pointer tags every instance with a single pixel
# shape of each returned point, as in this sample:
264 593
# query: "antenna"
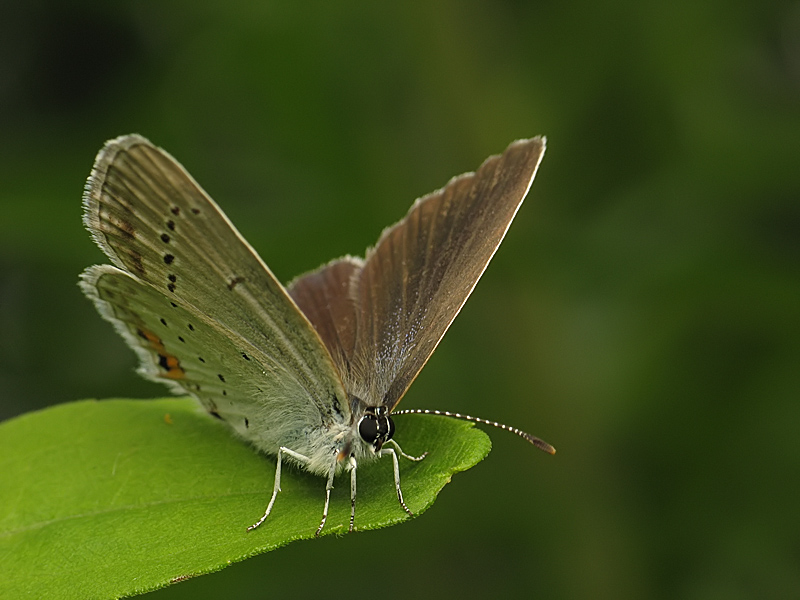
540 444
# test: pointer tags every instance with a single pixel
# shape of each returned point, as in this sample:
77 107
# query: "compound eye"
368 429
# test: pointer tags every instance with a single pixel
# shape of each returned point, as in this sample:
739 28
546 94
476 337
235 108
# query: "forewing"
416 279
160 228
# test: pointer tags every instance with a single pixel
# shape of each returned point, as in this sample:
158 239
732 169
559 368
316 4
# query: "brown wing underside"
382 319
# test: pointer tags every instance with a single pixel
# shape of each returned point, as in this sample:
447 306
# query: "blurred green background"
643 314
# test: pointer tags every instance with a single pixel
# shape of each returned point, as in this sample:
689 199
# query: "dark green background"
643 314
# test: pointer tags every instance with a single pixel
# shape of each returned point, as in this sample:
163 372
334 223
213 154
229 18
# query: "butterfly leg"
277 486
396 465
407 456
328 488
353 465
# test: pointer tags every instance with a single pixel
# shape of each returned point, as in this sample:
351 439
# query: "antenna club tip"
541 445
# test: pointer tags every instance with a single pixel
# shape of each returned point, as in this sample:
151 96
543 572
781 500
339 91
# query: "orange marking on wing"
169 362
172 366
174 374
150 337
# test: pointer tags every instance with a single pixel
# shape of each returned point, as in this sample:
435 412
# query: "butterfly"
312 372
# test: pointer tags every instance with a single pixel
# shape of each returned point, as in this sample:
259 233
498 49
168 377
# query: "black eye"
376 427
368 429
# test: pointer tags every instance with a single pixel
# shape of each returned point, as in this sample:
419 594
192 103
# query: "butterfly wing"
180 261
416 279
326 300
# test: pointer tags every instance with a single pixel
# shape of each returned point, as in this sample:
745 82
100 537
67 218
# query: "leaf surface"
113 498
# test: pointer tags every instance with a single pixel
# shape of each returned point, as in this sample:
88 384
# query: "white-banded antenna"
539 443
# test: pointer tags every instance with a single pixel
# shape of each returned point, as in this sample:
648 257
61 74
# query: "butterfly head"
376 427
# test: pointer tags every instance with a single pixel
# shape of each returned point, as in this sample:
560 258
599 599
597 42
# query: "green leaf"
119 497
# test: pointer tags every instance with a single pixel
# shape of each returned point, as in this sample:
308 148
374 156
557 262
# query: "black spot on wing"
211 407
